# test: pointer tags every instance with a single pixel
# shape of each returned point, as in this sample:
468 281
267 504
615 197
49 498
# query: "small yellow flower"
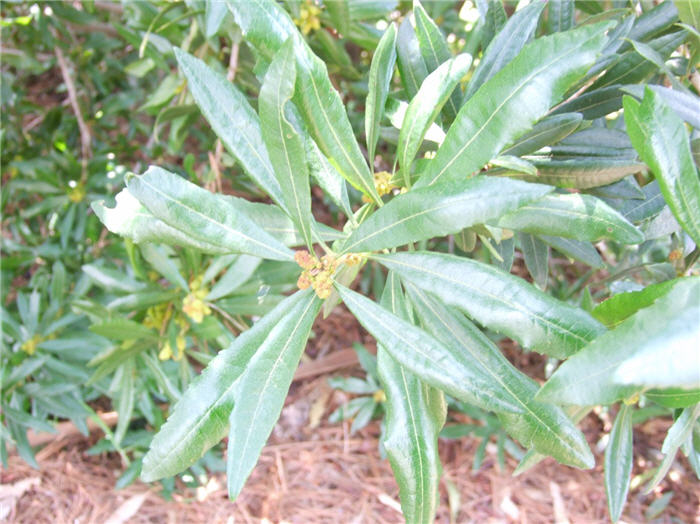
77 194
308 17
193 304
156 316
382 182
166 351
29 346
379 396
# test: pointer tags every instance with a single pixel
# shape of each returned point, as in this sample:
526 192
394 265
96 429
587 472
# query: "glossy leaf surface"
618 462
380 72
206 217
441 209
498 300
259 394
660 138
578 216
200 419
426 105
232 119
517 31
655 347
533 423
284 145
514 99
415 414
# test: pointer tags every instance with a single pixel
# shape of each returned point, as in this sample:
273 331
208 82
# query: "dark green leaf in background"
618 462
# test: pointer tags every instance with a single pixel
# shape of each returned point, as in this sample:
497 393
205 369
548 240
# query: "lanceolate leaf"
434 50
655 347
578 216
536 256
547 131
440 210
618 462
514 99
380 72
260 392
200 419
561 15
327 177
532 423
206 217
517 32
410 62
581 173
415 413
660 138
266 26
130 219
284 145
445 367
686 105
232 119
498 300
426 105
621 306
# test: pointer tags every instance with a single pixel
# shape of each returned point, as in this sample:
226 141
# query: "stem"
85 137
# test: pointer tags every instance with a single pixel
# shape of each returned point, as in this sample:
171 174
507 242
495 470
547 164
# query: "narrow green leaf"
575 249
677 434
583 217
498 300
547 131
536 255
580 173
327 177
621 306
410 62
655 347
124 403
339 11
440 210
532 423
660 138
380 72
164 265
263 386
130 219
202 215
505 46
215 13
445 367
514 99
237 274
415 413
633 68
560 15
266 26
426 105
434 50
284 145
674 397
594 103
492 16
123 329
232 119
685 104
618 462
200 419
514 163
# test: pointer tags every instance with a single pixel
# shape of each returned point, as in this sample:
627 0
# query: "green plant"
537 116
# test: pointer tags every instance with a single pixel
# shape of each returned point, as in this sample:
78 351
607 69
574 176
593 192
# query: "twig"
85 138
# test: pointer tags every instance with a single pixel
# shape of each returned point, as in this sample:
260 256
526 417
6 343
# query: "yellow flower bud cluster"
193 304
318 274
166 351
383 185
308 17
29 346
